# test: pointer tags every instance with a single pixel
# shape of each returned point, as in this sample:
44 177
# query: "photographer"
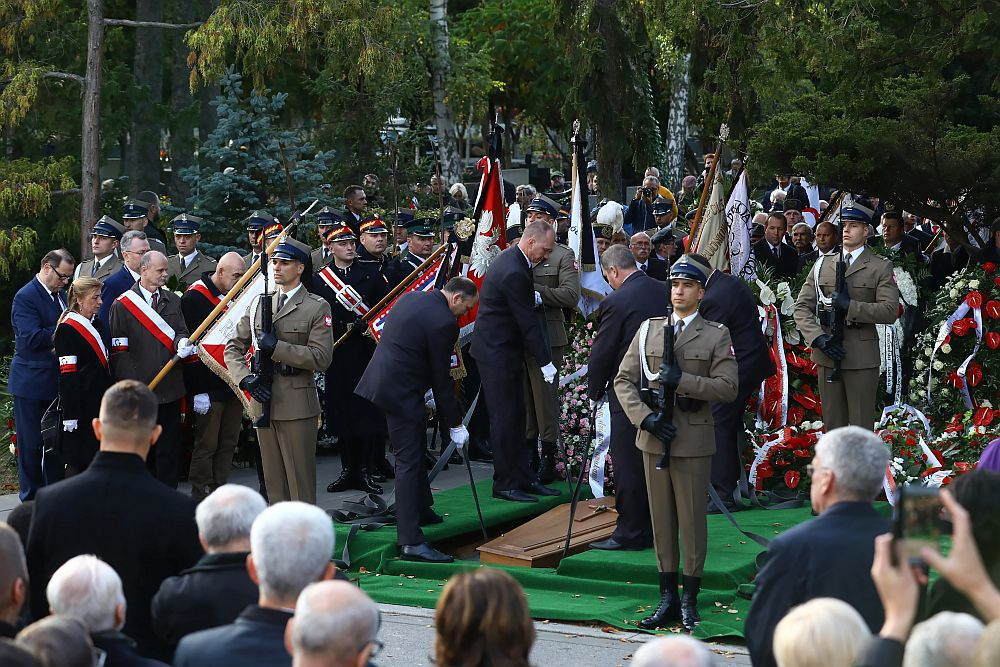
639 214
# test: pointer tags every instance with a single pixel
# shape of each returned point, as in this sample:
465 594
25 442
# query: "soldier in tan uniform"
104 240
300 344
705 371
557 286
871 298
188 264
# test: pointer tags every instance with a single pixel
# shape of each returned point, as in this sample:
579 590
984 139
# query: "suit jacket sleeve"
722 382
885 310
777 591
880 652
635 216
567 294
236 348
627 384
32 334
121 362
441 344
317 353
804 312
517 291
600 369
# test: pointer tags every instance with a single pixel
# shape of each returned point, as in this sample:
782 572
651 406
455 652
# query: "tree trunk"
444 117
90 150
678 120
143 158
183 113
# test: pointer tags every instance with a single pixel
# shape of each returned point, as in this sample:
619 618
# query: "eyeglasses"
61 276
136 252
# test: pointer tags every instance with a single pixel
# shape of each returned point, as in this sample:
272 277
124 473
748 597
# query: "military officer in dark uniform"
704 371
636 298
419 246
188 264
373 250
401 216
326 218
871 297
256 223
414 356
299 345
104 240
356 422
134 218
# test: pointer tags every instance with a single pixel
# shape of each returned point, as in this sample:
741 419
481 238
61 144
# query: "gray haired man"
335 625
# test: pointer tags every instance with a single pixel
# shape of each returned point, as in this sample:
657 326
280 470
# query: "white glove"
202 403
429 401
549 372
185 349
70 425
538 299
460 436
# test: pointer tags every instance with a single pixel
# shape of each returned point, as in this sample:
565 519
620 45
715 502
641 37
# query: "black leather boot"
689 603
668 611
547 467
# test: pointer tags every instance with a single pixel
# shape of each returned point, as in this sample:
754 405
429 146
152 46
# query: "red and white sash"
87 331
200 287
149 318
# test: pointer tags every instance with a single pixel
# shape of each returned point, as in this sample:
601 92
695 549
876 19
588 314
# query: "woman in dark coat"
82 347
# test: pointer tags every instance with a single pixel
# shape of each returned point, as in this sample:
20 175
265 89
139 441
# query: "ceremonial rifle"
839 319
262 365
665 397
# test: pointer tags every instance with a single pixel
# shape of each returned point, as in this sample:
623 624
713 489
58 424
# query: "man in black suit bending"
506 328
636 298
414 356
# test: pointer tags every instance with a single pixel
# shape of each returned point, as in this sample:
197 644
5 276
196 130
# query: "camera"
647 192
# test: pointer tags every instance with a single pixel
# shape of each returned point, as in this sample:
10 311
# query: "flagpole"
709 183
374 310
250 274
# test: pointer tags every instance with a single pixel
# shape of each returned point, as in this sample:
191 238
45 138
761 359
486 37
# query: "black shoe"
690 618
429 517
515 495
539 490
611 544
668 612
377 478
547 466
345 482
424 553
384 469
456 459
368 485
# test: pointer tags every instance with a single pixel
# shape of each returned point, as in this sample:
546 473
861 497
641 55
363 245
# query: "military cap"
272 230
851 214
791 204
690 268
556 173
403 216
592 166
513 233
292 250
186 224
134 209
374 225
663 207
421 227
665 235
451 216
563 214
108 227
543 204
603 231
258 220
339 232
329 216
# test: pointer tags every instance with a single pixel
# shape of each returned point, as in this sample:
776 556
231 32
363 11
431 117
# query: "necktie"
642 266
680 328
281 300
847 262
93 269
155 300
56 300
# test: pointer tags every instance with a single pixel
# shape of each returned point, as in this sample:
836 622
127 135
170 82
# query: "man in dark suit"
729 301
947 261
118 512
217 588
133 246
645 260
412 357
636 298
894 239
830 556
34 370
507 328
290 547
772 251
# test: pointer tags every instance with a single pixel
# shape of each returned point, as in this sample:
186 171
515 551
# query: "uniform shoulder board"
657 319
718 325
316 298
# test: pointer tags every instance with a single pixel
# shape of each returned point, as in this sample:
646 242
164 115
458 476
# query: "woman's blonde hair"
824 632
482 620
81 287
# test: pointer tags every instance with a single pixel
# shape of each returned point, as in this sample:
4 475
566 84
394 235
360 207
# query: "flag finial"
724 132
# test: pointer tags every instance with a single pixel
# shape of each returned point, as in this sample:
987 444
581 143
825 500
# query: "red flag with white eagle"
422 283
490 215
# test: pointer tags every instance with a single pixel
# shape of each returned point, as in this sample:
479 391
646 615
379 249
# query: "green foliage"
241 165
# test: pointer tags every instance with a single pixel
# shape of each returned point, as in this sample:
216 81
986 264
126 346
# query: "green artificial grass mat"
616 588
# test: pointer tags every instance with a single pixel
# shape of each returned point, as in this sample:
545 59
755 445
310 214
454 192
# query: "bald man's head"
334 625
228 271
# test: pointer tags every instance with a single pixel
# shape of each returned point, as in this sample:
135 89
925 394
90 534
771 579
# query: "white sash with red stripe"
87 331
149 318
200 287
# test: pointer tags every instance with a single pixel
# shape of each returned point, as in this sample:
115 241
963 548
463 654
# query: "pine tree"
240 165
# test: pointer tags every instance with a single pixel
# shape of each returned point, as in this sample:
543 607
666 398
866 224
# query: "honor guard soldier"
703 370
373 250
256 223
134 218
401 216
557 286
869 297
299 345
188 264
147 329
104 240
326 218
220 413
358 425
419 246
